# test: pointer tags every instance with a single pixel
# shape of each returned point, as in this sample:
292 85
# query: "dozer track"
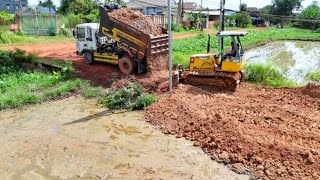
221 80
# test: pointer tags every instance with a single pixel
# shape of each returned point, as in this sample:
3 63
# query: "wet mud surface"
75 139
270 133
294 58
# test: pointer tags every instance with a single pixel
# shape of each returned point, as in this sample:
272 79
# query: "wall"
14 6
150 10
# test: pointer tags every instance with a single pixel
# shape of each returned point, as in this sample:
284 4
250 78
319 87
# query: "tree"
243 7
47 3
77 6
196 20
243 19
311 12
268 10
285 7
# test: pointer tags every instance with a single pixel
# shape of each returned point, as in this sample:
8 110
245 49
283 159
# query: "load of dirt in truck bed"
270 133
137 20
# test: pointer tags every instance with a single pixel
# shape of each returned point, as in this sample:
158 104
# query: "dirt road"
98 73
74 139
274 133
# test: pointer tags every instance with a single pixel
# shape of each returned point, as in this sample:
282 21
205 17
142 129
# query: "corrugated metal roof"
232 33
141 4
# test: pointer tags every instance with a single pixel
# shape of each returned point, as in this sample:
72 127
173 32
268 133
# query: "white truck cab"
86 37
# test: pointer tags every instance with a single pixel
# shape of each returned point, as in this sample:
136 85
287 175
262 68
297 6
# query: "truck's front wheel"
127 65
88 58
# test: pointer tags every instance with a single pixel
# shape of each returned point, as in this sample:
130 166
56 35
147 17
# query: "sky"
214 4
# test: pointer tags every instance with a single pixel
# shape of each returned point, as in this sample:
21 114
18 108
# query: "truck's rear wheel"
127 65
88 58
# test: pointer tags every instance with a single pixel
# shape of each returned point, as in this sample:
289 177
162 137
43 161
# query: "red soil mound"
136 20
272 133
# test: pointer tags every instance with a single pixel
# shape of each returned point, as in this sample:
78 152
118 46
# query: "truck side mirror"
74 33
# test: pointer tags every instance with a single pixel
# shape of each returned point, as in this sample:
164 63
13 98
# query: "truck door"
81 39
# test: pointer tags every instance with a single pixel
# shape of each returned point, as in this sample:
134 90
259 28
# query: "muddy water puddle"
75 139
294 59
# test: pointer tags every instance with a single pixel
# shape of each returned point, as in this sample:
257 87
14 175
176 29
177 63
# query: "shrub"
6 18
70 20
266 75
64 32
314 76
10 61
177 27
130 97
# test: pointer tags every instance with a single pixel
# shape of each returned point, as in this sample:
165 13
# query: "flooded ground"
294 59
75 139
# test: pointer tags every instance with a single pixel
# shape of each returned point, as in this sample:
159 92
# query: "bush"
70 20
64 32
266 75
18 37
130 97
314 76
10 61
6 18
177 27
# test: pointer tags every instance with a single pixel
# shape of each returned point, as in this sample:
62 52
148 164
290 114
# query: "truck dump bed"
139 43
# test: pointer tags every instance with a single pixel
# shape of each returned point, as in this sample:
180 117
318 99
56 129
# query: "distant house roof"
211 13
38 10
142 4
191 6
252 9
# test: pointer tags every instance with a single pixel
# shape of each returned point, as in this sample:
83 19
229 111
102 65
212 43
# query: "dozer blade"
221 80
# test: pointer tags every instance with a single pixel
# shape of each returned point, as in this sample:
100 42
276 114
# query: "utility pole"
221 27
240 6
170 46
179 11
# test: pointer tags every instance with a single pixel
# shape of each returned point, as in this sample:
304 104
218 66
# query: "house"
191 6
13 6
211 17
257 20
252 10
148 7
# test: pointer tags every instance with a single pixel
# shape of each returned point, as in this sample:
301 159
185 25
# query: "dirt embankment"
272 133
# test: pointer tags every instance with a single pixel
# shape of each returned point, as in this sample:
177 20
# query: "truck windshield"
81 34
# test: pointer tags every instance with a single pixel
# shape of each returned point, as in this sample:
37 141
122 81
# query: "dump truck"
116 42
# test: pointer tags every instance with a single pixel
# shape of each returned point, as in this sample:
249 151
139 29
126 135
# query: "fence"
37 24
162 19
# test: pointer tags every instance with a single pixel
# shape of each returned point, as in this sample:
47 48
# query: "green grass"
266 75
10 38
19 86
130 97
184 48
314 76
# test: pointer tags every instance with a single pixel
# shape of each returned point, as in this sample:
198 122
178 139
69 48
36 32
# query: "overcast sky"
231 4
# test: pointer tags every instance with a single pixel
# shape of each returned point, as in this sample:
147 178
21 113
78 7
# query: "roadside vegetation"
266 75
20 86
314 76
130 97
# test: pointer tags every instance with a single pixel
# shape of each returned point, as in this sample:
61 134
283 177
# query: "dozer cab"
221 70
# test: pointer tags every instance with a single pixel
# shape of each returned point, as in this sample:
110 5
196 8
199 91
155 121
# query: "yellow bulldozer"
221 70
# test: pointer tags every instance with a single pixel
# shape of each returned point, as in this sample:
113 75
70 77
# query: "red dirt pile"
271 133
137 20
